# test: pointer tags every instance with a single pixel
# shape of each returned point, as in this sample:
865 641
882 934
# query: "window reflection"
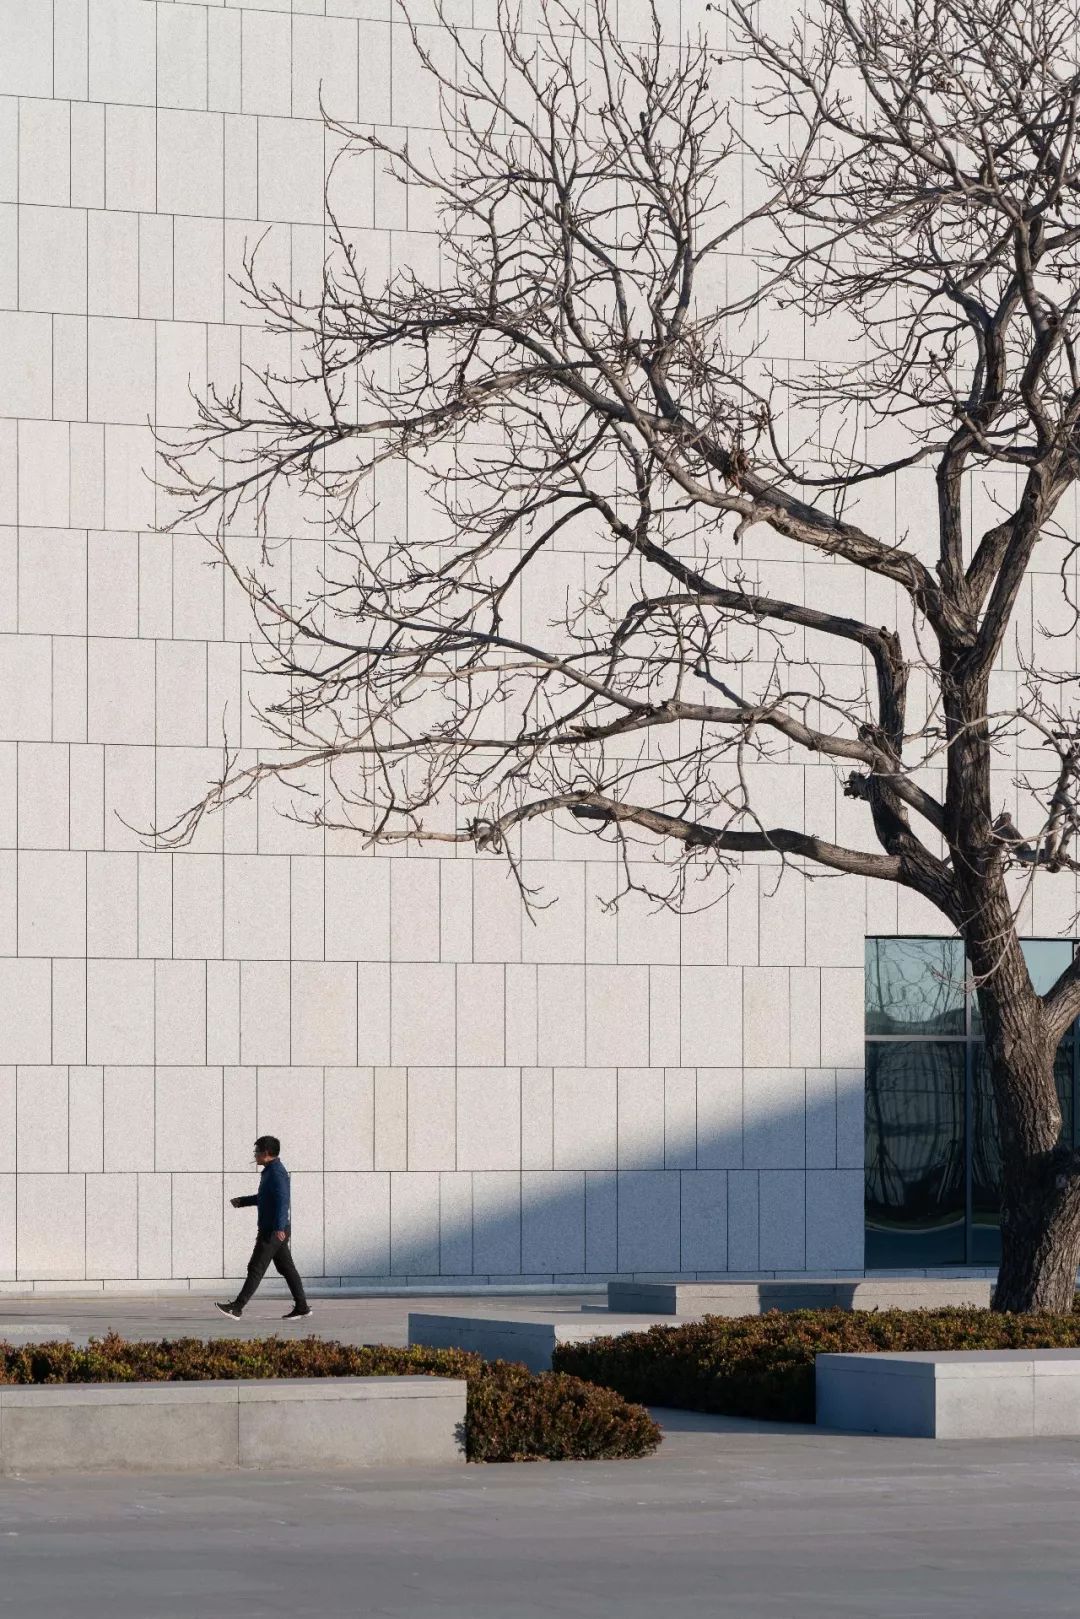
933 1196
915 1154
914 986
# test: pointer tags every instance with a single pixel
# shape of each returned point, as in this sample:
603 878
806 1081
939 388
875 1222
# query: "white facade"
459 1092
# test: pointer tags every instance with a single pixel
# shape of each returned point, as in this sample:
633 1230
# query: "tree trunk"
1040 1239
1040 1208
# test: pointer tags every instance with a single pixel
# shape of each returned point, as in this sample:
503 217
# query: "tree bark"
1040 1208
1040 1205
1040 1237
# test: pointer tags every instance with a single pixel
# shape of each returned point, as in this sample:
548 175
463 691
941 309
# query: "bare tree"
569 625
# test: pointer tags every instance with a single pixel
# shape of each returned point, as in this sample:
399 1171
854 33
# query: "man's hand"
235 1201
280 1236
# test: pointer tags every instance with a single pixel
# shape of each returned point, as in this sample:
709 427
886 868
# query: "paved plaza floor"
730 1518
726 1520
375 1319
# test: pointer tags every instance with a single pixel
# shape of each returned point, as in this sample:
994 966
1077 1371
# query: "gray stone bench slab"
952 1394
531 1339
202 1427
753 1297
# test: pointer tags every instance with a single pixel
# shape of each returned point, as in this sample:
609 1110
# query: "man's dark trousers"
270 1248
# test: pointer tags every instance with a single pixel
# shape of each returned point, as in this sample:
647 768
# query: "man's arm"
243 1202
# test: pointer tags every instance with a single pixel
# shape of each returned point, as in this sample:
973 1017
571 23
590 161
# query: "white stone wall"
459 1092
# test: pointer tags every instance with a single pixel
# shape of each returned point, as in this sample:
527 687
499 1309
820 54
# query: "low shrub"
113 1359
763 1366
513 1415
517 1416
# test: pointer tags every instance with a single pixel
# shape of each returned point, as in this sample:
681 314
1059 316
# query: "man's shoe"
296 1314
230 1310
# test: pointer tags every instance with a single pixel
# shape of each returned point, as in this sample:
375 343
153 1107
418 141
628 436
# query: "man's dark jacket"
272 1199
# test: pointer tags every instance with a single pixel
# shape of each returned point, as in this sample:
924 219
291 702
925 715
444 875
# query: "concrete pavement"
378 1318
728 1519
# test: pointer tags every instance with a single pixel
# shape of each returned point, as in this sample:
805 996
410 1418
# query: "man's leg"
283 1262
261 1255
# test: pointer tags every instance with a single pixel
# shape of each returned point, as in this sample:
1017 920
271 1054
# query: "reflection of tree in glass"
929 1092
914 986
915 1134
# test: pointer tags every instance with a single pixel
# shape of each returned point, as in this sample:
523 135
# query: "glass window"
915 1172
933 1163
914 986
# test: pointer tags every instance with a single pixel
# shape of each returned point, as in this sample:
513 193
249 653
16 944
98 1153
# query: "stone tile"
128 1114
432 1118
834 1219
766 1016
680 1118
422 1013
197 1225
51 1227
42 1120
552 1222
188 1105
616 1016
704 1214
455 1224
414 1225
112 1236
155 1226
28 986
290 1106
496 1228
641 1118
357 1229
264 1012
348 1119
782 1242
120 1012
481 1014
711 1016
489 1126
585 1118
601 1221
821 1118
743 1226
774 1118
324 1012
85 1120
648 1220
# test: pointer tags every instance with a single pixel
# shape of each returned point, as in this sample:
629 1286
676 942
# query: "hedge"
513 1415
763 1365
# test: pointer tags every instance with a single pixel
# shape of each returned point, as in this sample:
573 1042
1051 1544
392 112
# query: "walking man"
272 1242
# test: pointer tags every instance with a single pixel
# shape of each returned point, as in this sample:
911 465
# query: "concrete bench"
754 1296
531 1339
952 1394
302 1423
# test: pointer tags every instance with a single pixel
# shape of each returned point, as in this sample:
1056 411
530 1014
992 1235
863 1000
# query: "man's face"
262 1157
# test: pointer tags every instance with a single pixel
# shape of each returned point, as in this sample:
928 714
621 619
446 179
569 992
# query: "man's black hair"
269 1144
